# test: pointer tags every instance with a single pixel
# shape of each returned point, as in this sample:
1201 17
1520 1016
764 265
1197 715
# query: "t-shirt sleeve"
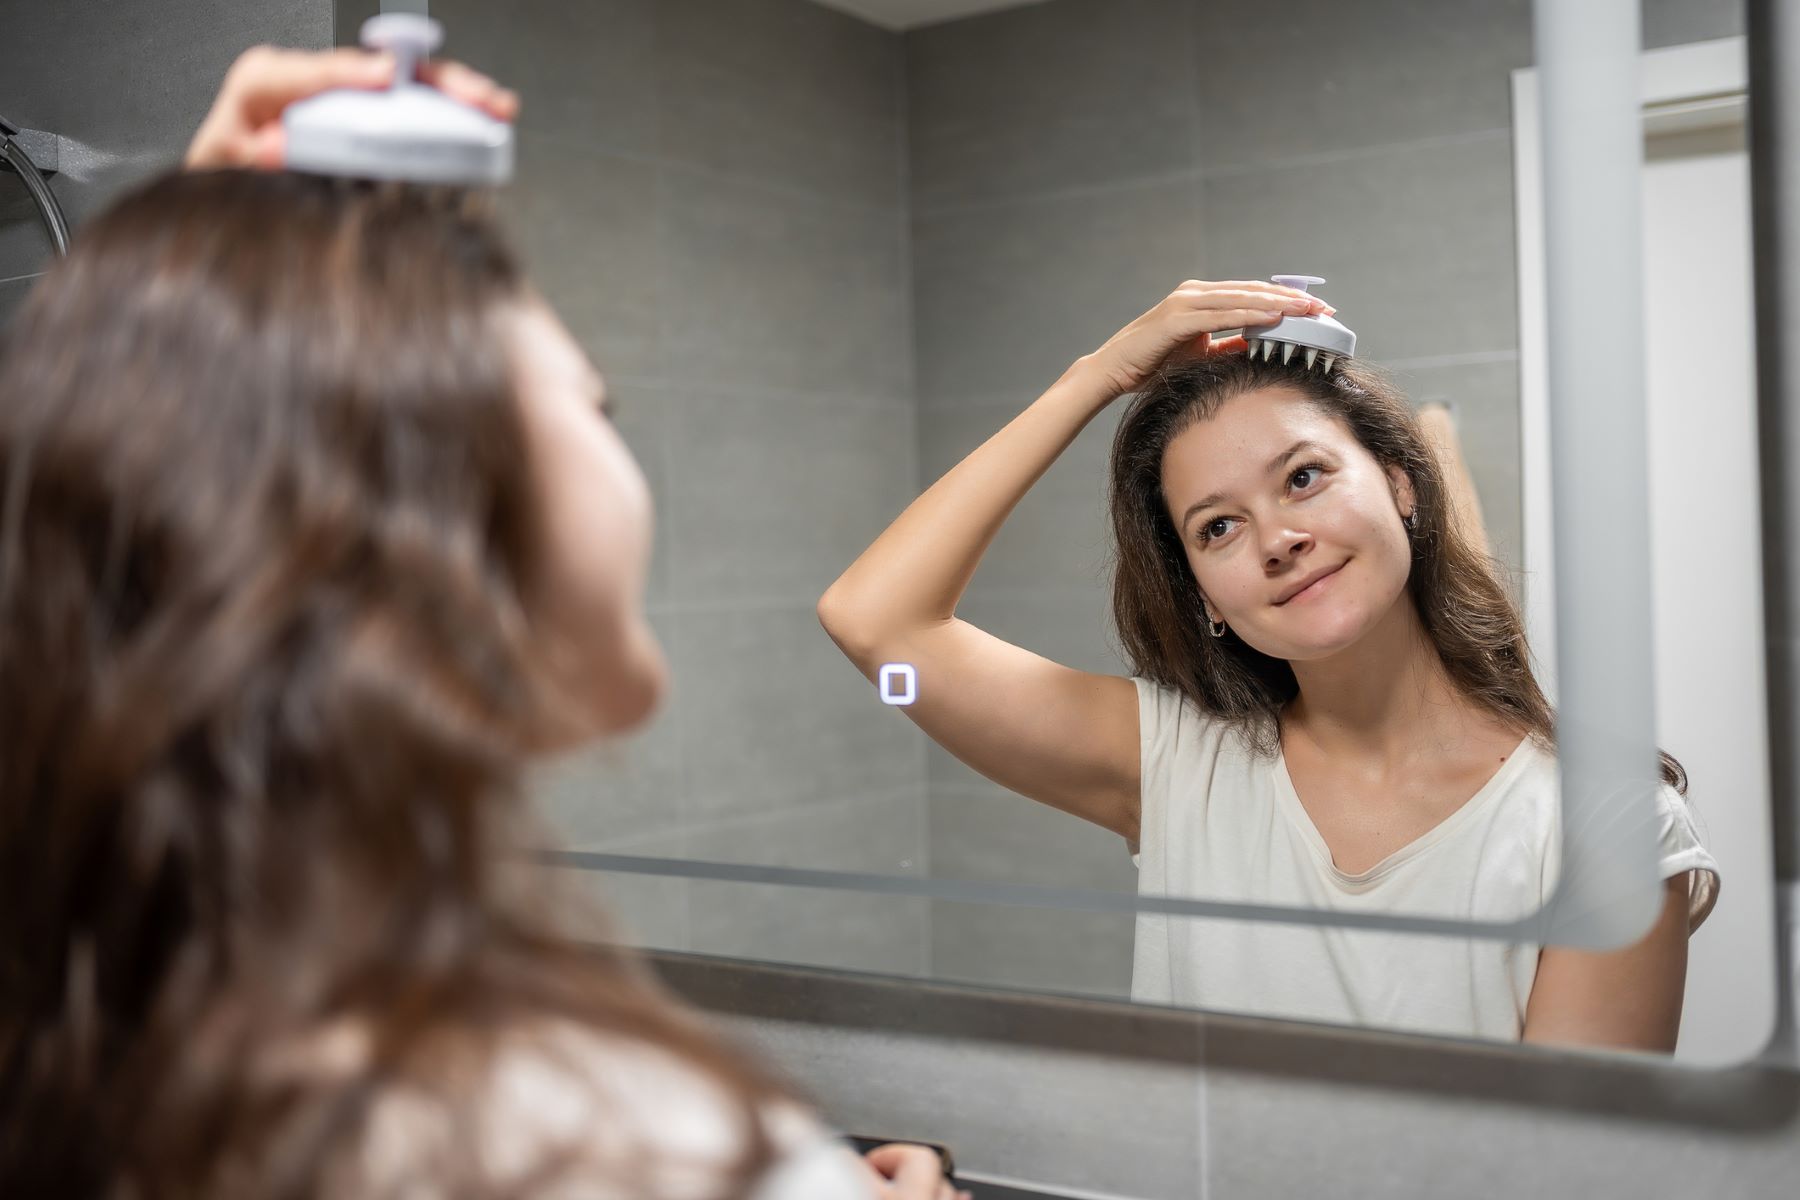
1680 848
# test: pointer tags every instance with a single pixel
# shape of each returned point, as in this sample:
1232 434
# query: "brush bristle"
1264 350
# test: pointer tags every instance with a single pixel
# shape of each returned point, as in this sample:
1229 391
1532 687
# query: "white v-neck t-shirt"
1219 822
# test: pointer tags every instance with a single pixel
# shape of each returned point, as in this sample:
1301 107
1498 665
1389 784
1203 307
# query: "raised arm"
1064 737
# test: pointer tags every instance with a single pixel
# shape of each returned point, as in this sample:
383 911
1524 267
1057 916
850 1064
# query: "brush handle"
409 37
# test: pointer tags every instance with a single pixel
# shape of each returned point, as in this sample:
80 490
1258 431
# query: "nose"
1284 544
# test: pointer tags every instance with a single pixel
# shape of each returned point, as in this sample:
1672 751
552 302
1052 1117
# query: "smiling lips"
1306 583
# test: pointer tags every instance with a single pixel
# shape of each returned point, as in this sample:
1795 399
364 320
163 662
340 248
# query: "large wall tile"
1007 296
585 223
621 907
1320 78
650 911
773 716
776 495
1073 93
775 291
1114 1124
621 789
1038 949
1673 22
1416 242
1155 1102
1348 1131
1484 404
586 72
1060 534
881 834
131 79
12 294
991 834
824 927
127 85
790 94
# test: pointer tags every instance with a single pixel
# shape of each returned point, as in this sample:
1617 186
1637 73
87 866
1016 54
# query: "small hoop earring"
1216 630
1412 520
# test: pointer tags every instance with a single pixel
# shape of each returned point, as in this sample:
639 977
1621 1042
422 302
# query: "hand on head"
243 129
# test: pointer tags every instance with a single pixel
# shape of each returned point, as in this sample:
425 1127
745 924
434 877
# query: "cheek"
1230 581
1372 530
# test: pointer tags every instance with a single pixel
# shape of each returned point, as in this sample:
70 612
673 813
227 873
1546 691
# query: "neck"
1385 699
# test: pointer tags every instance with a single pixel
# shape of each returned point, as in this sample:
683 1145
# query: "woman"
1331 703
310 535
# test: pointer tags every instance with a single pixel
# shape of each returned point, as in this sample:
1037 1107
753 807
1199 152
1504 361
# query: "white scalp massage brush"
1319 340
407 131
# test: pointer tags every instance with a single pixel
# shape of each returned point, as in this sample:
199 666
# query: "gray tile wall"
1112 1100
712 194
1073 162
126 81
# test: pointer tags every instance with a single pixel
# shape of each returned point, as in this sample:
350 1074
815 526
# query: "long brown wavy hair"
1157 607
267 696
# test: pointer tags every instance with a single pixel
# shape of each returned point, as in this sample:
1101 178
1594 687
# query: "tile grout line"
1202 174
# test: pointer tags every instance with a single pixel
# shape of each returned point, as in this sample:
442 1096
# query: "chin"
1317 635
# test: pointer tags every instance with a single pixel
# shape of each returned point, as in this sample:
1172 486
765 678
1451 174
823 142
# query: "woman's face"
1270 493
594 532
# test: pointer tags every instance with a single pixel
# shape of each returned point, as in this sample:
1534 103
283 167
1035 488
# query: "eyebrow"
1214 498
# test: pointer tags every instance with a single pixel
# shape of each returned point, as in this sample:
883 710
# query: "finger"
915 1170
1256 298
1257 292
464 83
888 1158
267 80
877 1183
1267 285
1230 345
268 147
1262 286
1213 320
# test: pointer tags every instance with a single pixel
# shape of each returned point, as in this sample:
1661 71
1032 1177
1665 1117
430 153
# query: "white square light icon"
899 683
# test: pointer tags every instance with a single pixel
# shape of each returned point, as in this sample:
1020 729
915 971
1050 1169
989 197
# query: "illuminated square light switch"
899 683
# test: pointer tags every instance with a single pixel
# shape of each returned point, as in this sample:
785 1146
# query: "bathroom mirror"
822 253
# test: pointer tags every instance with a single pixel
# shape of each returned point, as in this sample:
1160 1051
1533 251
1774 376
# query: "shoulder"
1679 842
600 1115
1169 720
1681 848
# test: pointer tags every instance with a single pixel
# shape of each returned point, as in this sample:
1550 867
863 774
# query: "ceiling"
910 14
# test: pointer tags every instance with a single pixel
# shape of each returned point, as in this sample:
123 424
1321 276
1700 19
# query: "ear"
1401 485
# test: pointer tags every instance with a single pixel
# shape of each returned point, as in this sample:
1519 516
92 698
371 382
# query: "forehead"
1230 449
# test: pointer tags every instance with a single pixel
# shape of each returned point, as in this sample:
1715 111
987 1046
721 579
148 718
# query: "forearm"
914 574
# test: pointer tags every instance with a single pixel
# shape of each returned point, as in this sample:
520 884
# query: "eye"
1206 530
1319 467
